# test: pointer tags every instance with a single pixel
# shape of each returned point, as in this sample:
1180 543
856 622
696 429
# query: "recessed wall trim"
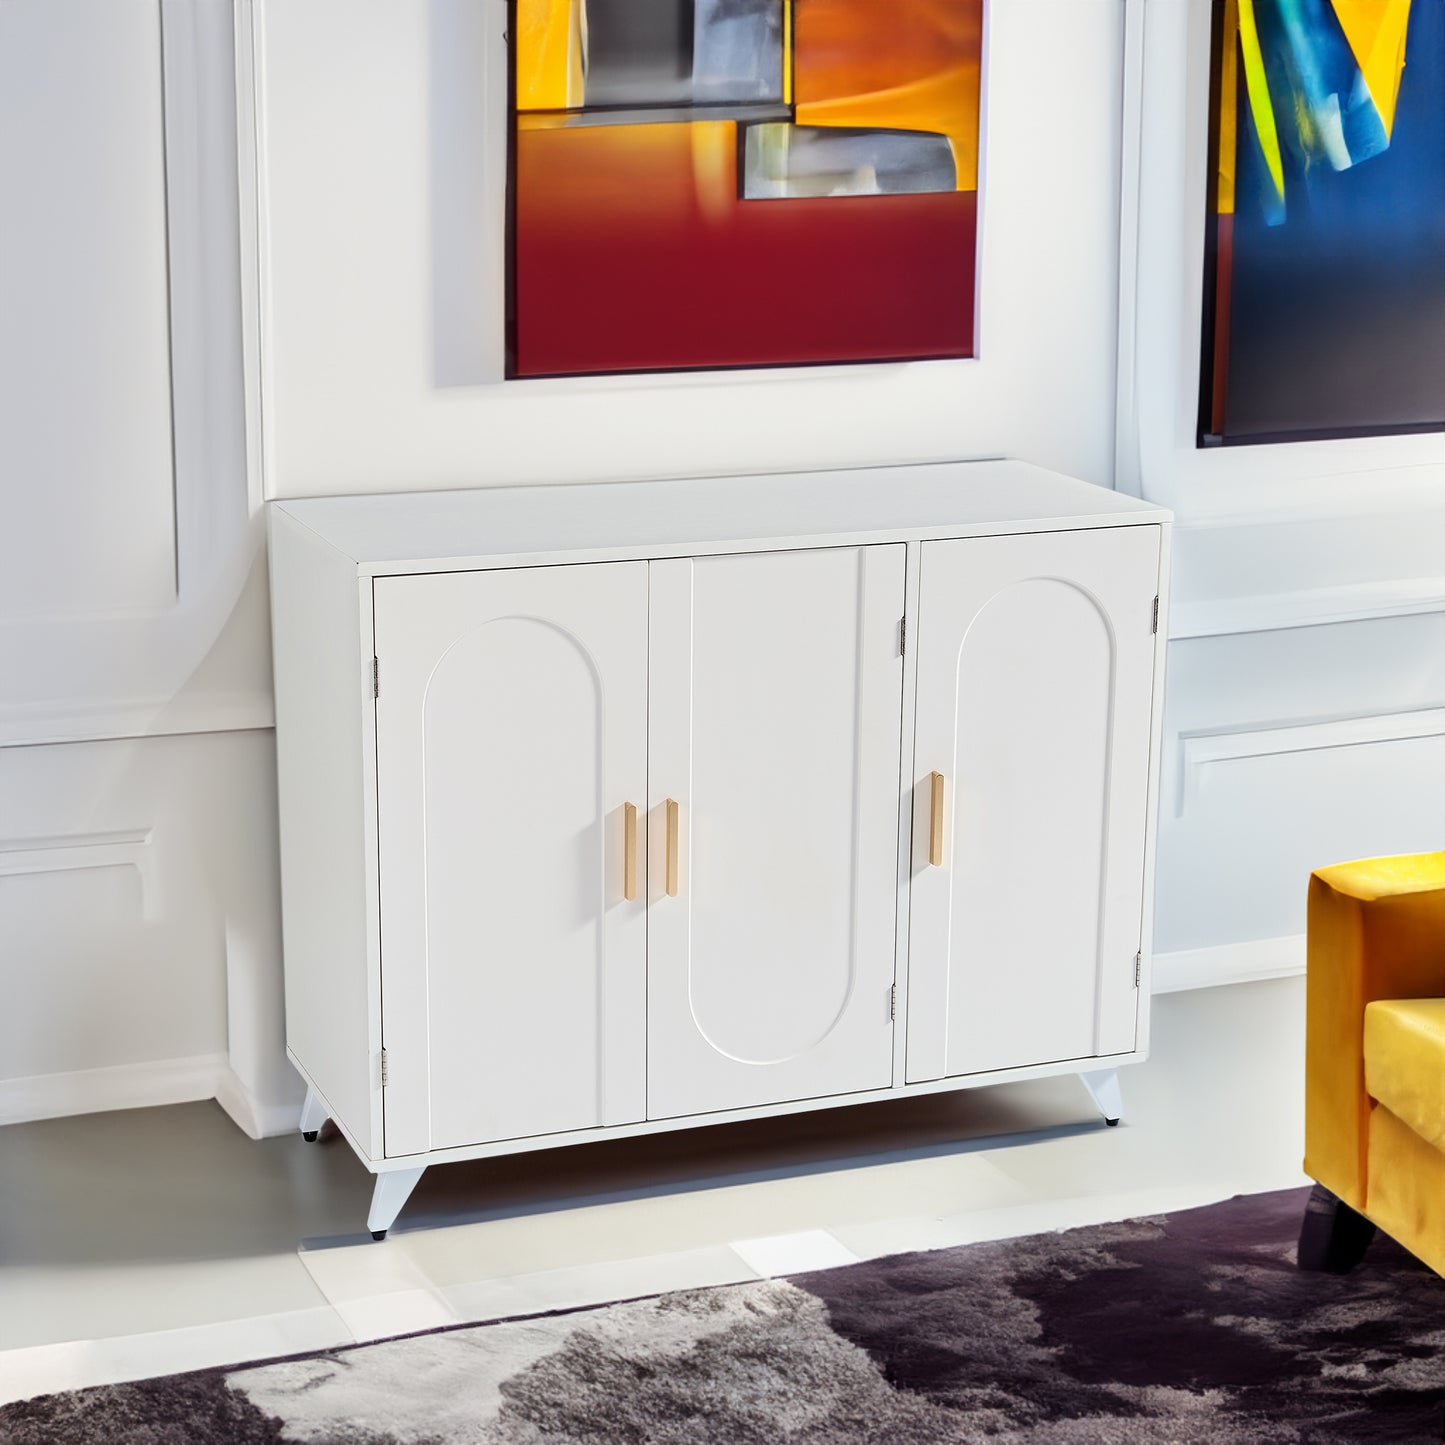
75 852
1200 750
1314 607
1251 961
194 659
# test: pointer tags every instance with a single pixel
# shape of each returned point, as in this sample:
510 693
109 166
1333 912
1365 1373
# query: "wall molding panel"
1247 962
85 408
125 848
1338 562
134 625
42 723
1201 750
140 913
1289 750
1306 607
176 641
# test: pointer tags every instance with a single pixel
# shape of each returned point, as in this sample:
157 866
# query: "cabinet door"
1035 679
776 688
511 735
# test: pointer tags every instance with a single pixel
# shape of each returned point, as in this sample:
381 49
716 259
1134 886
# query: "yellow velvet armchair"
1375 1059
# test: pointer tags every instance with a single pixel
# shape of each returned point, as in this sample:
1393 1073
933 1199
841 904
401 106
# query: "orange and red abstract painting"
728 183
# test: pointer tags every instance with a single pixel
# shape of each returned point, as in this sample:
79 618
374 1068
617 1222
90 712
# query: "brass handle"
935 824
672 832
629 853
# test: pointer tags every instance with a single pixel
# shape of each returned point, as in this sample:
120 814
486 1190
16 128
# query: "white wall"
139 953
369 164
137 850
139 909
1303 723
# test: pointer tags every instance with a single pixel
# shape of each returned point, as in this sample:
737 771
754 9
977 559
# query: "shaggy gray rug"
1193 1327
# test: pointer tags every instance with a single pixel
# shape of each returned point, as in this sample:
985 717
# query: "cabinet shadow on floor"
716 1156
182 1183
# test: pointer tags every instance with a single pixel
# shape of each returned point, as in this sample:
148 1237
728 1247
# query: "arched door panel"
511 736
1035 677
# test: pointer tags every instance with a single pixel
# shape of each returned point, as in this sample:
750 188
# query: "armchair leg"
1333 1237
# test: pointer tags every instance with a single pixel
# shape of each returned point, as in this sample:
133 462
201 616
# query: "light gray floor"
140 1242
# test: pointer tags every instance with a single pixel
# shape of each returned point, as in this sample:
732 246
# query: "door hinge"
375 677
1155 628
384 1072
893 1002
1138 967
902 636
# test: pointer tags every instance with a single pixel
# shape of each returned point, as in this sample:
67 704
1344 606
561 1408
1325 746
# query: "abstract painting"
1324 287
702 184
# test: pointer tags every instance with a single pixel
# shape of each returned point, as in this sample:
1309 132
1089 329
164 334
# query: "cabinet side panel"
1133 572
322 690
1151 841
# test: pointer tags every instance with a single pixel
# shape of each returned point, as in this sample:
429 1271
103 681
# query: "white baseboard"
142 1086
251 1115
210 1076
121 1086
1248 962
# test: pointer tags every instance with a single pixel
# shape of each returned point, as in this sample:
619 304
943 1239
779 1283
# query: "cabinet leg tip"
378 1234
309 1135
1112 1123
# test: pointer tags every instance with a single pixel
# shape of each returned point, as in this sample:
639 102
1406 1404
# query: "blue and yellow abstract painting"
1324 290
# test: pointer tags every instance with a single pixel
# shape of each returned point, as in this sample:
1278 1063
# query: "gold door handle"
935 823
672 846
629 852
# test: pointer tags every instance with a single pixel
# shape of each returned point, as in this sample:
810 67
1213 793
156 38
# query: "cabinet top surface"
411 531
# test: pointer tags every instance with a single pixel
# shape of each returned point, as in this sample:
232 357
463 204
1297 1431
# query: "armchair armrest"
1376 930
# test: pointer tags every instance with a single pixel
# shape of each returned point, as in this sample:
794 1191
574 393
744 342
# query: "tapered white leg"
391 1192
1103 1087
313 1115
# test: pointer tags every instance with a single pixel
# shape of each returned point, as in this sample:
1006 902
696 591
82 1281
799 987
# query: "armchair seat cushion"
1405 1062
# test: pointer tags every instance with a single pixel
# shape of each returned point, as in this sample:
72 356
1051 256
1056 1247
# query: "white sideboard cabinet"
618 808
